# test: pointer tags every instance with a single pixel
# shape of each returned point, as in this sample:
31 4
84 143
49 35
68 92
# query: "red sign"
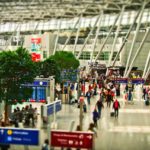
72 139
36 57
36 40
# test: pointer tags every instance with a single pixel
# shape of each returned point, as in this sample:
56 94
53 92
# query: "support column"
88 37
137 52
135 37
97 33
147 73
36 27
116 36
71 33
57 37
52 89
106 38
77 35
18 37
146 65
9 41
126 37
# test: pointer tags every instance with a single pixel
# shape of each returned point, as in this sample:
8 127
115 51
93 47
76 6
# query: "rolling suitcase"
84 108
147 102
112 114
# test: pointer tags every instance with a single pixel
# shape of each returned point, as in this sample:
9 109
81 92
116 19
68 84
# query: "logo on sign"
9 138
9 132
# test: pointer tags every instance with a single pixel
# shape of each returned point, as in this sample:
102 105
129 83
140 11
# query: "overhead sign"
69 75
126 80
138 81
120 80
19 136
37 83
72 139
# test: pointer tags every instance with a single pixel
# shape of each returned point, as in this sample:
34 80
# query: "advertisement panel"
35 44
36 48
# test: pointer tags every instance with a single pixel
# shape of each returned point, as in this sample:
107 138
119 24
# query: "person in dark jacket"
99 105
88 95
95 117
109 98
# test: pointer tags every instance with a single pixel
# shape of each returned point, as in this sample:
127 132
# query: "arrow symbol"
2 131
90 137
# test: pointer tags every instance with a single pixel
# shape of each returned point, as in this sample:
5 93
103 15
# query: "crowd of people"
25 115
108 92
104 89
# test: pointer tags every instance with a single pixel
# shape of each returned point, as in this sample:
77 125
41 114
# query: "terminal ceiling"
26 10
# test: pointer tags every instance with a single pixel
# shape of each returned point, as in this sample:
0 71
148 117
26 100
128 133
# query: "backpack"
95 115
44 147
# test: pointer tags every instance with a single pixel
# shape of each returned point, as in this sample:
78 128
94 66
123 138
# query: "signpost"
72 139
19 136
52 89
51 109
57 105
81 112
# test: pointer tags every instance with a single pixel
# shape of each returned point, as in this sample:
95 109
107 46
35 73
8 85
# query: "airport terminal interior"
74 74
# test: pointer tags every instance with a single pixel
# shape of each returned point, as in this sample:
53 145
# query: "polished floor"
130 131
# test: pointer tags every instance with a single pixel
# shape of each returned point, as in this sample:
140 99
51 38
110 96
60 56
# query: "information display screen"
39 94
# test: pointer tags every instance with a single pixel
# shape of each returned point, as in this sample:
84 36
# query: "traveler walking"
95 117
116 106
88 95
45 145
99 105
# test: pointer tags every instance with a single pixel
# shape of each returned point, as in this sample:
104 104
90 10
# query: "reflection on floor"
130 131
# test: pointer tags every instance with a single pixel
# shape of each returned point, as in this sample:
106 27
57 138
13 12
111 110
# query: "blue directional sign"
50 109
69 75
138 81
58 106
19 136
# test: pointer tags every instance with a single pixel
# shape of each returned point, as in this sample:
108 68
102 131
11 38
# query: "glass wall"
104 56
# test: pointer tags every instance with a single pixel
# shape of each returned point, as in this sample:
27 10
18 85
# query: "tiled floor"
130 131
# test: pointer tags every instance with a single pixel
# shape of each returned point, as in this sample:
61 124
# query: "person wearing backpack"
95 117
45 145
99 105
116 106
88 95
